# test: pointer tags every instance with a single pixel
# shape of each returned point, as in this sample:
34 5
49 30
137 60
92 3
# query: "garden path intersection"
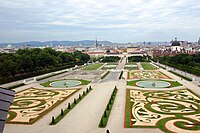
175 108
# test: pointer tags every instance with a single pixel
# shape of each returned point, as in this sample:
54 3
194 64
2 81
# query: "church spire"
96 43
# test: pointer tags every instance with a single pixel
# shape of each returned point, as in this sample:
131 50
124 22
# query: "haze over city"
113 20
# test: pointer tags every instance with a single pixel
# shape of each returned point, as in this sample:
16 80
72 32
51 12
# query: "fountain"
153 84
65 83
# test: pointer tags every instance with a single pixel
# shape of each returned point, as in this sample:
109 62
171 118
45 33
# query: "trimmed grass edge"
104 119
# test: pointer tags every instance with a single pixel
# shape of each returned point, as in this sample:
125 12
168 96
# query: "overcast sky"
113 20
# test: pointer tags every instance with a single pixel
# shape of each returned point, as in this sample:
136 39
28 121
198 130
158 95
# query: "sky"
112 20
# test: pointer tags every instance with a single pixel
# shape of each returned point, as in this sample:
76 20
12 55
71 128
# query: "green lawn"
127 110
147 66
92 66
109 68
131 68
131 63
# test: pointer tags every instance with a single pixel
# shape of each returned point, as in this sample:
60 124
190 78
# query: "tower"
96 43
199 41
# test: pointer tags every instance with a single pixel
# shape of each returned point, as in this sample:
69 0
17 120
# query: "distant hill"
53 43
154 43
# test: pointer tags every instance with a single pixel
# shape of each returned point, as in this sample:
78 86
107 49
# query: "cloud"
97 17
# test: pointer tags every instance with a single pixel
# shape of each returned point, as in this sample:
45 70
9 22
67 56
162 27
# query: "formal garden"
150 74
170 111
110 66
31 104
131 66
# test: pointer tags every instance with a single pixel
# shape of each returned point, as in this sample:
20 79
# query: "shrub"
62 112
120 76
53 120
79 96
69 106
74 100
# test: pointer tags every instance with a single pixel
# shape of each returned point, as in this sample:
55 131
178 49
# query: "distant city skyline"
113 20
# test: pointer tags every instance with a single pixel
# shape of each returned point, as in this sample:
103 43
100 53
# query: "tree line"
110 59
34 60
184 62
138 58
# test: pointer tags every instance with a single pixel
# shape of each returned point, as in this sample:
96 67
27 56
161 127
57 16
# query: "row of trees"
110 59
138 58
34 60
185 62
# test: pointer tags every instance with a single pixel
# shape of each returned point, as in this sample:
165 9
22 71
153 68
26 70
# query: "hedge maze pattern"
150 74
31 104
171 111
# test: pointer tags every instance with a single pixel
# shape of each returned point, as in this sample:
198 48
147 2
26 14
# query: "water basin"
153 84
65 83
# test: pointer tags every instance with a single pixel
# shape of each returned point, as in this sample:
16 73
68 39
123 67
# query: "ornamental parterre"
150 74
171 111
31 104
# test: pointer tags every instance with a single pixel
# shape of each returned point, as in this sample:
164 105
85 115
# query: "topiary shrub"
79 96
74 100
53 120
62 112
69 106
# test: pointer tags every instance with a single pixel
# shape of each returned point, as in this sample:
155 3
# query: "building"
6 99
176 46
199 41
132 49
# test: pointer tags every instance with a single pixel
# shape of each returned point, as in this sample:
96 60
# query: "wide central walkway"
121 63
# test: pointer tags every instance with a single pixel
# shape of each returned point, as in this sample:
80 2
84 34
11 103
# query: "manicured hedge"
15 86
106 114
105 74
121 74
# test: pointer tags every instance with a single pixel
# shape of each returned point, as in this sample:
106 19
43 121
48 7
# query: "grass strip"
127 122
184 77
92 67
106 114
70 107
147 66
105 74
128 76
121 74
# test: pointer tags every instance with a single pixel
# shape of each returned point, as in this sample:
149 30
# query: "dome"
176 43
9 46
